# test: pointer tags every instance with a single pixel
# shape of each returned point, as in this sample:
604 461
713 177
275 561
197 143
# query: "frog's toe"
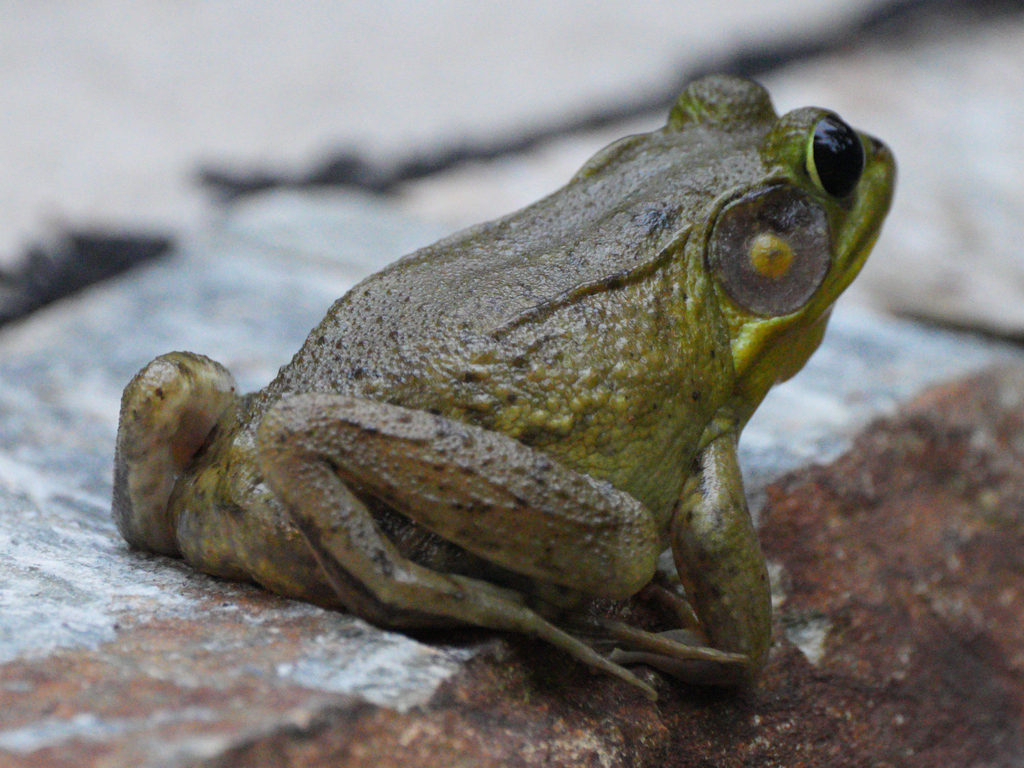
167 413
693 671
680 653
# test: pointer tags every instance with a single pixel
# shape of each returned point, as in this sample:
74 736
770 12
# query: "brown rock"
910 548
899 642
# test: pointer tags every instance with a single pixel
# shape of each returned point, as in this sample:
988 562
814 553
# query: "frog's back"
613 223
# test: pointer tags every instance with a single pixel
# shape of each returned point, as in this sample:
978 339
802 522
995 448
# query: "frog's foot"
167 412
306 449
681 653
664 592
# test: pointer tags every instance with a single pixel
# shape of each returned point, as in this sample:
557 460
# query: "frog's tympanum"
526 414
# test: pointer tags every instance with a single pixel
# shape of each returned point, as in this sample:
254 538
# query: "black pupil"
838 156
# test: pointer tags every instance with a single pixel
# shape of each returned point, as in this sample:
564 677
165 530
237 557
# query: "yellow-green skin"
585 328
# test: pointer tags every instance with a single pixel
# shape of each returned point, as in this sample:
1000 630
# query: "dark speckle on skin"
655 220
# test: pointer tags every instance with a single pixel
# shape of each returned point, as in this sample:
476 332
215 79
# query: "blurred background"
137 123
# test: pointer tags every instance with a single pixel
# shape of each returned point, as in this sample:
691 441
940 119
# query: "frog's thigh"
297 455
167 412
488 493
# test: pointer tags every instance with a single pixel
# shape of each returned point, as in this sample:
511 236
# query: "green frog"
500 427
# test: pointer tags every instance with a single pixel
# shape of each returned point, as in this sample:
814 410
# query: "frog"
499 429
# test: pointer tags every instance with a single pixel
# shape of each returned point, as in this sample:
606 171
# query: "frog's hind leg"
299 447
167 413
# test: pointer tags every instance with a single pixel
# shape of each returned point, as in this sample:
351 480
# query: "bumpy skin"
527 412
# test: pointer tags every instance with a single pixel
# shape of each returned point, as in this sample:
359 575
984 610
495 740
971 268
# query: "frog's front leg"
722 568
482 490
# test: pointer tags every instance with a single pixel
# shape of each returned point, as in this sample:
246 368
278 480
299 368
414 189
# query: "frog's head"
790 230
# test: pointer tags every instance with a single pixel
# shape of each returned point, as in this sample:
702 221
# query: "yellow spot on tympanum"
770 255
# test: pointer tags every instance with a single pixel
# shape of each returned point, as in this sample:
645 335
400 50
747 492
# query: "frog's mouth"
871 205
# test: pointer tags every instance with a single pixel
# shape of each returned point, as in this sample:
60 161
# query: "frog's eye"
835 157
771 250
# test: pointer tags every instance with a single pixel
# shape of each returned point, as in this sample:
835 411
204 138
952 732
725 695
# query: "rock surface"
112 657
